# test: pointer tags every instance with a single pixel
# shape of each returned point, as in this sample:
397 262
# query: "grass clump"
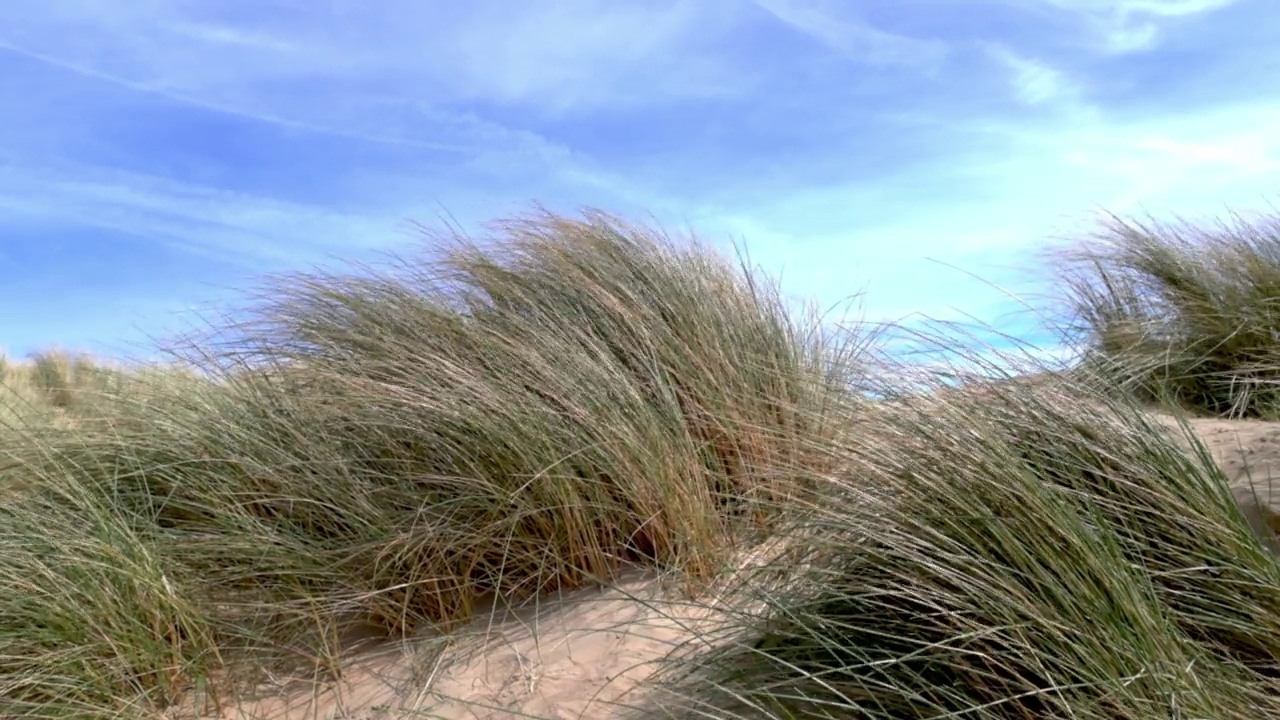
383 447
1183 313
56 384
1026 551
94 620
537 413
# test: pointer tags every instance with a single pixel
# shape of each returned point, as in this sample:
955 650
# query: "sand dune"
582 655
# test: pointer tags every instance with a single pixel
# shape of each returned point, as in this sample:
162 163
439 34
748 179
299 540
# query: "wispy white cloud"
1123 26
178 94
1034 82
239 228
236 53
848 143
958 237
840 26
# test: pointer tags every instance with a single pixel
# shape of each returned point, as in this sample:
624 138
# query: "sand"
577 656
582 655
1248 451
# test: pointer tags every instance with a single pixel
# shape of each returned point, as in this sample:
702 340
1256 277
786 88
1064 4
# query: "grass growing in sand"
1030 552
571 397
54 384
1185 313
381 448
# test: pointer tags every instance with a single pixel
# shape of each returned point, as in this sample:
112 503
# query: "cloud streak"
1127 26
839 26
158 147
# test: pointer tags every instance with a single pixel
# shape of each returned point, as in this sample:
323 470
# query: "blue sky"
156 152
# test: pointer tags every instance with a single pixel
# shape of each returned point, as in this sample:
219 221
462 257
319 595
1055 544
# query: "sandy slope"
1248 451
580 656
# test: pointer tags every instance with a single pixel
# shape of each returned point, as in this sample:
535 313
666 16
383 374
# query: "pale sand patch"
1245 449
1248 451
579 656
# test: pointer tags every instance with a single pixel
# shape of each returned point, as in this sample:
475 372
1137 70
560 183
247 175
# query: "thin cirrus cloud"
158 152
1123 26
842 27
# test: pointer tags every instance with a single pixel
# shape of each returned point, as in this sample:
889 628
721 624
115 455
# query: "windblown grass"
383 447
54 384
1010 551
376 450
1184 313
95 620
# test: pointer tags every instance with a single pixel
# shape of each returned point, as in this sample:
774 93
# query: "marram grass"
1188 314
1026 551
570 397
382 448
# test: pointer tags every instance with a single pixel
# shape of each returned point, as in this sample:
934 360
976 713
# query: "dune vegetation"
54 384
383 447
567 398
1182 313
1036 551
